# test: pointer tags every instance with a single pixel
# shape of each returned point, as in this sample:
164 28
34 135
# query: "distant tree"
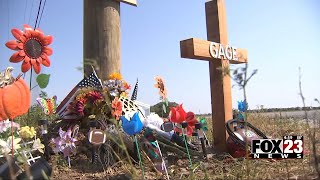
157 108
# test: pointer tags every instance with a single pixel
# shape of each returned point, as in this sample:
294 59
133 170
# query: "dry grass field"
218 166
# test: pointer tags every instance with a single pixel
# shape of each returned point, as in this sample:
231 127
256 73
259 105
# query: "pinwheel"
204 125
65 143
133 127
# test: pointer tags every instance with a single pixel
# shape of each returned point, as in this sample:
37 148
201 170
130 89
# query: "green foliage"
35 113
158 108
43 80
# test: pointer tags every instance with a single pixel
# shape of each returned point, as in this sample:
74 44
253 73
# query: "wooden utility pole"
101 42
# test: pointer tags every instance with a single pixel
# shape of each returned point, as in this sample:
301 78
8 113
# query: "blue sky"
280 36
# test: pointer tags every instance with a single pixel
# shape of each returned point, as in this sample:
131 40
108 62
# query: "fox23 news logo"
288 147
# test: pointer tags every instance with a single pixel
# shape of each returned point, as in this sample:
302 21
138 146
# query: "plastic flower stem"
69 161
12 138
207 141
139 155
30 83
93 154
185 142
163 163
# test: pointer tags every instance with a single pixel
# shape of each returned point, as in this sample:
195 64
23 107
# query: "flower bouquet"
100 103
96 105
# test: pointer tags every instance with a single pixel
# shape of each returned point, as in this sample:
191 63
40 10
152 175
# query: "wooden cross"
219 54
101 42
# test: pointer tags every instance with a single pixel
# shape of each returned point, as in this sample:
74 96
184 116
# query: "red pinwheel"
177 114
32 47
191 121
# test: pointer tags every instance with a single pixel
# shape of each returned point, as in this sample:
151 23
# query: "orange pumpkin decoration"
14 100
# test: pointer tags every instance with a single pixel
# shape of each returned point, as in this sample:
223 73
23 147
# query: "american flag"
91 81
135 92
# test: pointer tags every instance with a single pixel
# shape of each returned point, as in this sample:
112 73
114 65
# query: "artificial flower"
79 107
116 108
132 127
191 121
126 85
115 76
6 124
6 146
65 143
115 87
32 48
242 106
153 120
177 114
95 97
124 94
27 132
160 85
37 145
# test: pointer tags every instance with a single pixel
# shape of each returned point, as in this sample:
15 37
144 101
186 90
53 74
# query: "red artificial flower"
95 97
116 108
32 48
80 104
126 86
191 121
177 114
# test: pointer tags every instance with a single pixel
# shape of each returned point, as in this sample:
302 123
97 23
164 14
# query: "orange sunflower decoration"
32 48
162 89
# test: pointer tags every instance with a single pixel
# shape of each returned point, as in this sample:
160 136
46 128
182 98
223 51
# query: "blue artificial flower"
242 106
132 127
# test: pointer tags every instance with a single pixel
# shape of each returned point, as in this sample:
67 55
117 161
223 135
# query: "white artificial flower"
6 146
37 145
6 124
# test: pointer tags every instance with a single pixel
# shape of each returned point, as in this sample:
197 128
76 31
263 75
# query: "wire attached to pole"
44 4
35 25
